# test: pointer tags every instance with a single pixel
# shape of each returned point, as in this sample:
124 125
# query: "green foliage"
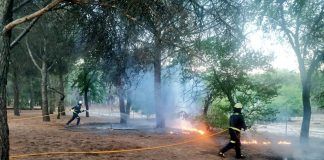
318 89
88 80
288 102
260 90
217 115
228 78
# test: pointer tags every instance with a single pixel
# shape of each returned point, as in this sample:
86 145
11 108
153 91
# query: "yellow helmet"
238 105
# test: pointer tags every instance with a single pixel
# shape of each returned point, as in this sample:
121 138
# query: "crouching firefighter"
236 123
76 110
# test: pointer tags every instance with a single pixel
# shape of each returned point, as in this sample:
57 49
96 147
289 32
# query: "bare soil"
35 136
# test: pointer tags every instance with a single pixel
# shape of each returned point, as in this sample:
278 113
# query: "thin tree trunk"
6 17
207 103
121 102
128 106
160 120
122 109
60 104
16 92
51 100
45 112
59 109
8 100
86 102
31 94
61 89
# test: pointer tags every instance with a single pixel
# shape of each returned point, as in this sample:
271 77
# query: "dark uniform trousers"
75 116
234 142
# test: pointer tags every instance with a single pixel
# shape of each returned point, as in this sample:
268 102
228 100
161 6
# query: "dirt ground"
34 136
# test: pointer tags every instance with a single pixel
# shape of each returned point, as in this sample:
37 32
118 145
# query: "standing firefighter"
76 110
237 123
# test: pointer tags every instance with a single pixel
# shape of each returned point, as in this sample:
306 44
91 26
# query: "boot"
221 154
240 157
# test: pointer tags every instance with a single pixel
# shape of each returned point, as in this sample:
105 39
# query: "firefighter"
236 123
76 110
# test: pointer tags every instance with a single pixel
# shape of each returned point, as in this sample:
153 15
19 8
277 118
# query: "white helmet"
238 105
80 102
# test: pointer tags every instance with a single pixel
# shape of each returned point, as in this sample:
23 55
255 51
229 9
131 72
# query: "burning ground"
34 136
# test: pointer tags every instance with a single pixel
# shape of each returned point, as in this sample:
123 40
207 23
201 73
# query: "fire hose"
34 117
116 151
108 151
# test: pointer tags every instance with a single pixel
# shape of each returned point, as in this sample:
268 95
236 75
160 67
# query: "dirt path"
34 136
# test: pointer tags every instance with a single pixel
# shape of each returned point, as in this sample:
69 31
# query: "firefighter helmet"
238 105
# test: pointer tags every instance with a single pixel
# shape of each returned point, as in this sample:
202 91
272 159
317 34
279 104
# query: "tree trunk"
44 73
207 103
304 133
61 89
6 17
160 120
128 106
51 100
16 91
306 79
123 117
86 101
60 106
31 94
122 109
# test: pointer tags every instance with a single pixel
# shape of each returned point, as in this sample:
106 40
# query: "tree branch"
283 25
315 27
22 34
38 13
57 91
293 42
50 67
315 62
31 56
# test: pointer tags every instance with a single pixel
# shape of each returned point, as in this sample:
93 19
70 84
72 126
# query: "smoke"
286 147
176 96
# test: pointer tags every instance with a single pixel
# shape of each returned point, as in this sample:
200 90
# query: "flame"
186 127
264 142
284 142
249 142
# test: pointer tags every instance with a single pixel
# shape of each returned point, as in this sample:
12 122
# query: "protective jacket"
237 122
76 109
